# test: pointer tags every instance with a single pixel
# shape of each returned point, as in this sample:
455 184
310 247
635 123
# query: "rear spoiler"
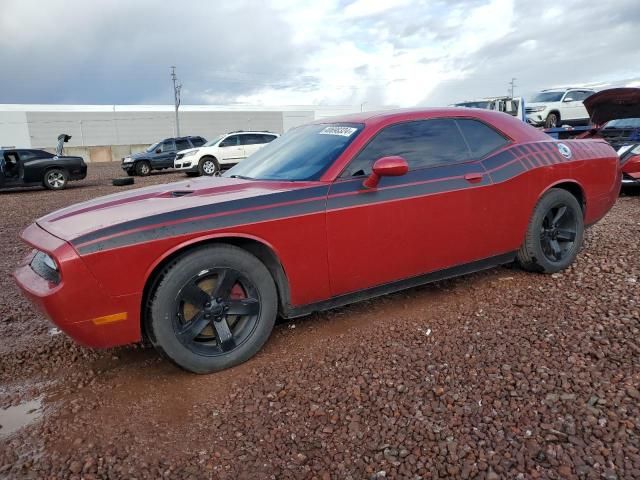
566 133
62 139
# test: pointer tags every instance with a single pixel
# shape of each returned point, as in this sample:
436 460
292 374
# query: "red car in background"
615 115
330 213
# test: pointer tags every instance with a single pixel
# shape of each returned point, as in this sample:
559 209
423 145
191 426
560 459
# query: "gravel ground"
500 374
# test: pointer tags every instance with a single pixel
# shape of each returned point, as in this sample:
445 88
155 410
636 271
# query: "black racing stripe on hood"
212 208
205 224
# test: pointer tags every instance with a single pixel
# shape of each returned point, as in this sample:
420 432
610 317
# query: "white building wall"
14 129
38 126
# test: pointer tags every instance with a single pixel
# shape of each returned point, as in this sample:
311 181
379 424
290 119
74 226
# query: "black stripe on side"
499 159
368 197
208 209
205 224
508 172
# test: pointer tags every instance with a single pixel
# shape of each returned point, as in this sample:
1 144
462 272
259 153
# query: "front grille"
42 269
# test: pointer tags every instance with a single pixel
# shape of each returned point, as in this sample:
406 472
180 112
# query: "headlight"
536 109
127 160
188 154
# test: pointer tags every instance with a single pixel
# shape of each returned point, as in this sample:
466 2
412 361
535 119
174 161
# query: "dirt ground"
500 374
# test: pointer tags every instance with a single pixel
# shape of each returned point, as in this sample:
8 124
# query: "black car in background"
22 167
159 156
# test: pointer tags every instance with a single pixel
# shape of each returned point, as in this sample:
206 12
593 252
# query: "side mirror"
568 99
386 167
158 150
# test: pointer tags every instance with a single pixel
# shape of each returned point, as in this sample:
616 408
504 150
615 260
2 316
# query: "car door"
430 219
581 110
11 171
165 157
230 150
182 144
572 107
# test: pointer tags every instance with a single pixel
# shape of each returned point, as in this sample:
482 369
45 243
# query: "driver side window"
168 146
422 143
230 141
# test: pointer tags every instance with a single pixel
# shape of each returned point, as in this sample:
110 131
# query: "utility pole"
176 96
512 85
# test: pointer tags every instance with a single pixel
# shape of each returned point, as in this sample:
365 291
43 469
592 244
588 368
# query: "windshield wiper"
242 177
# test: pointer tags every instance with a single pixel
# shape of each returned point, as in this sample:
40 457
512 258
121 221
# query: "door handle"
473 177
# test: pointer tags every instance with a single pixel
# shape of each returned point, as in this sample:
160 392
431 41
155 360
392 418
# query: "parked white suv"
556 107
223 151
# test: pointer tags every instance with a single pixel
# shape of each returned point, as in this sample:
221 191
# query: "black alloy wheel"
558 232
216 311
213 307
555 233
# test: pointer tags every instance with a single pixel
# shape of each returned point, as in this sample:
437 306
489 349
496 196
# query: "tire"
188 320
55 179
193 174
143 168
121 182
555 233
552 121
209 166
131 172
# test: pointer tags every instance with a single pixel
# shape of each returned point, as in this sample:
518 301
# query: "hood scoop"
178 193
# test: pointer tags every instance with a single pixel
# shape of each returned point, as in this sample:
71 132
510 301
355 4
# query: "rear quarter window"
481 138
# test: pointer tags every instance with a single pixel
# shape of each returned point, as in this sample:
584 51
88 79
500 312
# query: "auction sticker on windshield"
342 131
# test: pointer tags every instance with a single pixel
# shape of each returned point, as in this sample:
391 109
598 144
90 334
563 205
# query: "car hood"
536 104
613 104
140 155
201 196
182 152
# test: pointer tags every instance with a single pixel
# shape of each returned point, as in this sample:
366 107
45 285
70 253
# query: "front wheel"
552 120
209 166
55 179
143 168
214 308
555 233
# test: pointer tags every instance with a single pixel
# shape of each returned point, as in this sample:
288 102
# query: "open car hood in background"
613 104
62 139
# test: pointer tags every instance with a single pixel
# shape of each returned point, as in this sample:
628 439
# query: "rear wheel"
143 168
209 166
214 308
55 179
555 233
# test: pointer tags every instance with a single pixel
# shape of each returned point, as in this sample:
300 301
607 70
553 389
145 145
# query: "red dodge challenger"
330 213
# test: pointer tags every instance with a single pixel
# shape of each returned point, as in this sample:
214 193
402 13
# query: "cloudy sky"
382 52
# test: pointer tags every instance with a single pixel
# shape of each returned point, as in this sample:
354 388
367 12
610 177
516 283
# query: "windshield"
211 143
484 105
624 123
303 153
547 97
153 147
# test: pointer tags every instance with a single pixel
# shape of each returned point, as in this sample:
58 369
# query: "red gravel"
501 374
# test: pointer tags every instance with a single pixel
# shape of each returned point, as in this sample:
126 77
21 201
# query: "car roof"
508 124
251 131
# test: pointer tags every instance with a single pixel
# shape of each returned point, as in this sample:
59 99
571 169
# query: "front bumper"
536 118
75 301
186 164
128 166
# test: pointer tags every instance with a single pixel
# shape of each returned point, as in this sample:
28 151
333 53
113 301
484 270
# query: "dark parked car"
22 167
159 156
